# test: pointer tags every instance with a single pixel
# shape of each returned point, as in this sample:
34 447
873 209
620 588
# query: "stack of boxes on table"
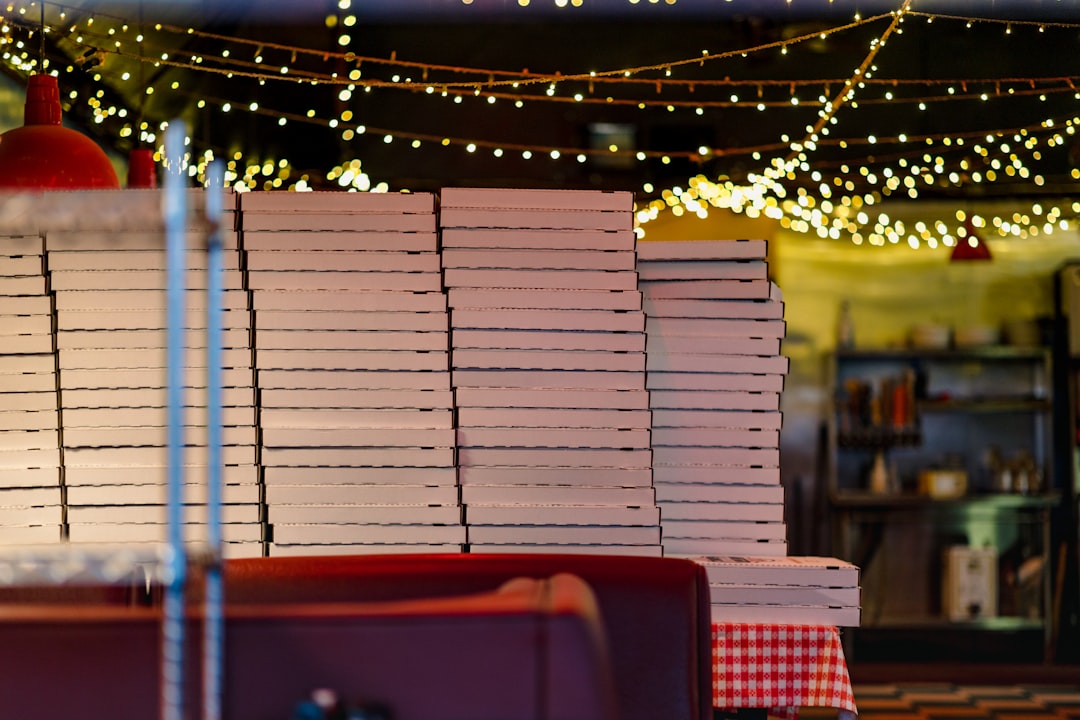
108 279
351 360
548 361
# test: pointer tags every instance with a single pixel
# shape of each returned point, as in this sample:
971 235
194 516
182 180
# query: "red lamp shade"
971 247
44 155
142 171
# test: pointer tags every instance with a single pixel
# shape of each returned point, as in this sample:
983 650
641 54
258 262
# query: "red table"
781 668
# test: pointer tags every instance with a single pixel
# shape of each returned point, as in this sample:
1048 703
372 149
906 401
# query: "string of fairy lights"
792 185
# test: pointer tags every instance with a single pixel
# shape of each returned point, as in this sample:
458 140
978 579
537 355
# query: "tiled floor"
942 701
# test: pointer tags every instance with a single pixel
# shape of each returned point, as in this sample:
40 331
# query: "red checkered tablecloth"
780 667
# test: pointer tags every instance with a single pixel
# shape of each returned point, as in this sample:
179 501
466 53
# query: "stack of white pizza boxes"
351 353
548 361
30 497
715 374
109 280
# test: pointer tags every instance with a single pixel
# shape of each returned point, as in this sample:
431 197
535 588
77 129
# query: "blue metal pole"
214 635
175 212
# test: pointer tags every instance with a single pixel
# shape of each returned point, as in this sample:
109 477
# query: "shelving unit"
964 469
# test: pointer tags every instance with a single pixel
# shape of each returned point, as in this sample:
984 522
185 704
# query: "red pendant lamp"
45 155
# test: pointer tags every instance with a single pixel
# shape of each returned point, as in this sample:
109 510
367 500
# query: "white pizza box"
562 515
702 249
357 241
786 615
29 243
15 477
15 265
541 397
38 458
719 309
273 418
556 438
784 595
12 326
714 327
580 298
136 436
120 280
352 360
715 437
343 398
702 270
29 439
435 457
668 474
603 380
749 382
800 570
74 302
565 534
240 420
537 259
90 239
151 513
743 419
355 281
738 457
536 198
541 279
118 339
155 260
358 437
28 402
764 531
340 513
22 285
308 550
23 364
708 363
146 358
306 260
144 492
678 496
230 549
374 320
119 320
629 321
537 494
595 549
525 476
304 381
30 305
333 202
338 300
765 548
421 222
360 533
511 417
127 474
385 340
360 476
237 401
572 340
30 535
29 496
707 289
721 511
360 494
537 238
12 420
718 345
153 456
459 217
30 383
122 532
548 360
555 457
714 400
26 344
37 515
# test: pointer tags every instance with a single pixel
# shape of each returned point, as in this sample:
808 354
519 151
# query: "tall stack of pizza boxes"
715 374
548 361
351 358
30 495
108 281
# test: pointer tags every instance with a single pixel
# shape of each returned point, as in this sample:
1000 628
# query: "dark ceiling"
706 87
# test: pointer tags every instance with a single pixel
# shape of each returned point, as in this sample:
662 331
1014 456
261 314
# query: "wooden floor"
945 701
